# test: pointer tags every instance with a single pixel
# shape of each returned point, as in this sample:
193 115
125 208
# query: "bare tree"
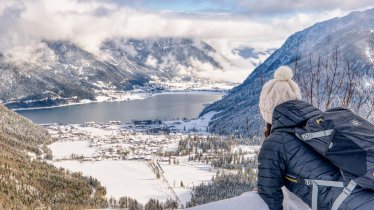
334 82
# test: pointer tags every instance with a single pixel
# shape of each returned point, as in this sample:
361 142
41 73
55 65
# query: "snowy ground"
129 177
199 125
65 149
190 173
252 201
135 179
122 178
250 150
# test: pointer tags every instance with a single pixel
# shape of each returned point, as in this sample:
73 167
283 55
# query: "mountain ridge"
238 111
60 72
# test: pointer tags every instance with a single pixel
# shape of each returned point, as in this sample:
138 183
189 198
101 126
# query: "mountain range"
61 72
351 37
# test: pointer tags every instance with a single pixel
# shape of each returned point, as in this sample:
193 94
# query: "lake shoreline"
145 96
165 105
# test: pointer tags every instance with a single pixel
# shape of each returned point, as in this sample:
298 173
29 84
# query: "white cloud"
88 23
230 73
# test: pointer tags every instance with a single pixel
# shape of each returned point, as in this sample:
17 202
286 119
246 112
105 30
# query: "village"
114 140
138 140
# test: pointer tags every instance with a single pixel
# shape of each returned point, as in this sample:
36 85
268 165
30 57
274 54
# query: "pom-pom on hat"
276 91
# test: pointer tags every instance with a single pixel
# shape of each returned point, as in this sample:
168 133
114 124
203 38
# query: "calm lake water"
162 106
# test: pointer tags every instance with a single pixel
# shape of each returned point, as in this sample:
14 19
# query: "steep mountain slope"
352 34
61 72
27 182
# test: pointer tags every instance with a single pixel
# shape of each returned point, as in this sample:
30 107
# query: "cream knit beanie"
278 90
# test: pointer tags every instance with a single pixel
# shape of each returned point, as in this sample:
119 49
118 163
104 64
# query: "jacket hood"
293 113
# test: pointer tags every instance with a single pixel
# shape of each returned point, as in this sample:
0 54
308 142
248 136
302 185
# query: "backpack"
347 141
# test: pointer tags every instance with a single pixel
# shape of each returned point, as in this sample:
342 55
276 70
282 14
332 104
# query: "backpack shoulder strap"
344 194
315 183
319 134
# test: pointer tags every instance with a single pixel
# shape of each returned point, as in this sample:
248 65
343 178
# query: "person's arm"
271 171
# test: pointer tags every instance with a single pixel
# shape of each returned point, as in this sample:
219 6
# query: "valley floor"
134 159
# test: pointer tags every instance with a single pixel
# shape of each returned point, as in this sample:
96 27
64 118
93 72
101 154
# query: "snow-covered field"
135 179
191 174
65 149
122 178
131 178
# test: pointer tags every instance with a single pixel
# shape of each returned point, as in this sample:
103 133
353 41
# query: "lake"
163 106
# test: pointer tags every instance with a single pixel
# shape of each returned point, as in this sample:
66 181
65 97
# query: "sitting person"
282 153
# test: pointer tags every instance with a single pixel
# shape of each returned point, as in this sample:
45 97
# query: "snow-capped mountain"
60 72
166 54
352 35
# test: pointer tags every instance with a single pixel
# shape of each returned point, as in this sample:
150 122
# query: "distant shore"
135 96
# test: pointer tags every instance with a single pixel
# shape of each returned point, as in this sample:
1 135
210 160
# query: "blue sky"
247 7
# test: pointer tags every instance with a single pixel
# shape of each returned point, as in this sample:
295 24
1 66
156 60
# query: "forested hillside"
27 181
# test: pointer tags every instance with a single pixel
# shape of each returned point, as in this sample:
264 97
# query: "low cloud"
24 24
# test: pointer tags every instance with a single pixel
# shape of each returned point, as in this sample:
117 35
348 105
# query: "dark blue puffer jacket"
283 153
